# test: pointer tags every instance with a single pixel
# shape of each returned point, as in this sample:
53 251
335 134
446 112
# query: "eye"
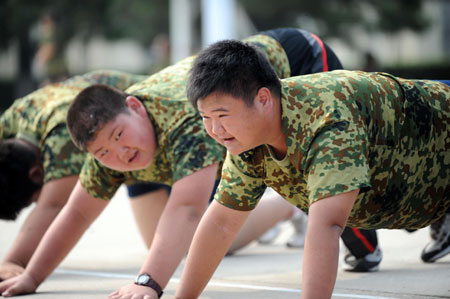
118 136
104 153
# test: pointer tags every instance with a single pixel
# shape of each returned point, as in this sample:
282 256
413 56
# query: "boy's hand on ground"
134 291
9 270
22 284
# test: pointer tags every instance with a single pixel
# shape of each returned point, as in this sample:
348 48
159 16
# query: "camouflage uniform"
274 52
388 137
184 147
40 118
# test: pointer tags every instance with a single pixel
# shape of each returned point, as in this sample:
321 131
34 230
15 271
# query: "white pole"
180 26
218 20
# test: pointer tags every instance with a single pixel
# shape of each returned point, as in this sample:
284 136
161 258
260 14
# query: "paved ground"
110 253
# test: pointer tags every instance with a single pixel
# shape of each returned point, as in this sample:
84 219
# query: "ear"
264 100
135 105
36 174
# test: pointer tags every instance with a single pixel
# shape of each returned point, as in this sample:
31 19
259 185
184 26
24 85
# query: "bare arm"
76 216
52 199
326 221
187 202
211 241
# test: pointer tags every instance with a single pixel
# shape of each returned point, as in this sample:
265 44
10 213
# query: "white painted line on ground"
211 283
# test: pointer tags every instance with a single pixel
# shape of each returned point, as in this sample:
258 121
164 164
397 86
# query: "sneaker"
270 235
297 240
299 220
439 246
368 263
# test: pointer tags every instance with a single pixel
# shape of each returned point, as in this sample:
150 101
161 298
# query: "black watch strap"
145 279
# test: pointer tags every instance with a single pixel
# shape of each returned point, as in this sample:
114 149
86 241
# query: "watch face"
143 279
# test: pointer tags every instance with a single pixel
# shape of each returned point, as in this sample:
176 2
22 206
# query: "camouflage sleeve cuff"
237 189
60 157
99 181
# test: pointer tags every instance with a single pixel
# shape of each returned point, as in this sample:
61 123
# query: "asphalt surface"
110 254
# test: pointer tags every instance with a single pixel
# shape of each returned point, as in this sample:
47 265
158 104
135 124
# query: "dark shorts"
305 51
143 188
444 81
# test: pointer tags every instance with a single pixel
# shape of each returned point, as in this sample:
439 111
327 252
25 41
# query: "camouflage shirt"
184 147
386 136
274 52
40 118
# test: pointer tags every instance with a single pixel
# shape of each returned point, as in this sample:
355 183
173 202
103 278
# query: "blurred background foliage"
138 19
143 20
391 15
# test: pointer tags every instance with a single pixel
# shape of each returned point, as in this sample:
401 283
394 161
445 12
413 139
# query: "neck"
279 148
276 138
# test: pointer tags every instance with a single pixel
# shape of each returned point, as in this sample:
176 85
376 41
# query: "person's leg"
271 209
364 254
300 222
439 246
444 81
147 203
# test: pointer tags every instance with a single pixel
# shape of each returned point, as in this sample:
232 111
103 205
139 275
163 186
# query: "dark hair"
92 108
231 67
16 186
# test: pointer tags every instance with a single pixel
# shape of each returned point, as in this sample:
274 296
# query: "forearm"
326 220
30 234
57 242
53 197
172 238
320 261
212 239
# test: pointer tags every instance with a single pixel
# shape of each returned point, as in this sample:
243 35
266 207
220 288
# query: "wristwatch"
145 279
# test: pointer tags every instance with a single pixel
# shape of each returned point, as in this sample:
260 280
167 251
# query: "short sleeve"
60 157
239 188
337 162
98 180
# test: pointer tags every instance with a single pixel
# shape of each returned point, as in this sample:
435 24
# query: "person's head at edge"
21 176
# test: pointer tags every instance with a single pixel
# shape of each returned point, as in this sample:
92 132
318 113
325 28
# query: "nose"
217 128
122 152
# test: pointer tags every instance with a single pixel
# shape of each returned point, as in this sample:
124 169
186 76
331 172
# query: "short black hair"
231 67
16 186
91 109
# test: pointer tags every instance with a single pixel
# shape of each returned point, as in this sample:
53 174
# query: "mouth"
227 139
133 157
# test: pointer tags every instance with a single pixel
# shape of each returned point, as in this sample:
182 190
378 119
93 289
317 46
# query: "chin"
137 167
143 164
235 151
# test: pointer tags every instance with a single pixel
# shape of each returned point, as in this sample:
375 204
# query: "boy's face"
231 122
127 142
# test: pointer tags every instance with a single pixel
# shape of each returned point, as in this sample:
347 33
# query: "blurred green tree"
333 17
141 20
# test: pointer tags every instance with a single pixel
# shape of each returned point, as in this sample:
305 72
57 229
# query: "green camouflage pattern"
184 146
60 157
40 118
348 130
274 52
